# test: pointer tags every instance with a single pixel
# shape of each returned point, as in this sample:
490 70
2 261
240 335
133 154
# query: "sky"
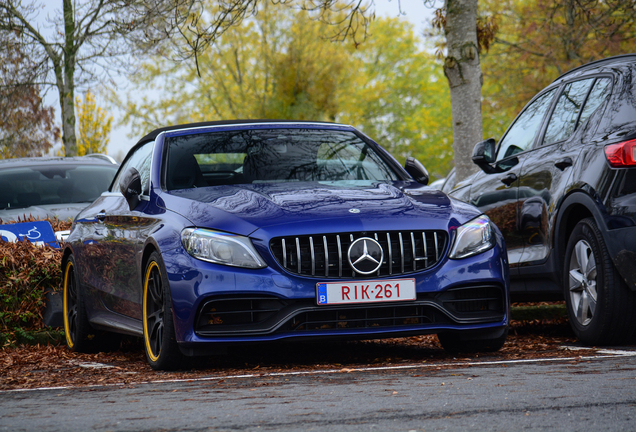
414 11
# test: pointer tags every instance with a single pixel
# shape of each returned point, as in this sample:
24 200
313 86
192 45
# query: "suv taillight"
622 154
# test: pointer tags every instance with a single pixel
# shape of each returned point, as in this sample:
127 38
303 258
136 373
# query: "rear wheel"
160 342
458 342
80 335
600 306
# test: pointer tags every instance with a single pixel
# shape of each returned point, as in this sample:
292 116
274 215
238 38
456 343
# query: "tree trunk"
66 83
67 104
463 71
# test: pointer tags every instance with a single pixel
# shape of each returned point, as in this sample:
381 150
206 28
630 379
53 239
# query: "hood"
49 211
313 207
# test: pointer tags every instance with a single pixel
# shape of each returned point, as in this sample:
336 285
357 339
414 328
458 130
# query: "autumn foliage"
26 275
27 127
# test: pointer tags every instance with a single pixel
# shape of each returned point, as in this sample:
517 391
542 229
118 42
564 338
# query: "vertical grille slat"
284 253
324 243
436 247
311 257
413 250
298 255
380 269
401 253
425 249
388 240
339 256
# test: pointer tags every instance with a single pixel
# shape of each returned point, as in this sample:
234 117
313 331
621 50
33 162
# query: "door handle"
509 179
563 163
101 216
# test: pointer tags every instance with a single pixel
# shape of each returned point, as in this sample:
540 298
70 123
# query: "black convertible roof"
152 135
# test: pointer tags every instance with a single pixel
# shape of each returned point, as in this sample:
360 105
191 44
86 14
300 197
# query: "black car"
561 186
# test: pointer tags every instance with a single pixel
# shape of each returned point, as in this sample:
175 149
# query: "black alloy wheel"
600 305
160 343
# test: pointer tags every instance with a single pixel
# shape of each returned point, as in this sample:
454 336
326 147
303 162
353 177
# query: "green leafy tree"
400 96
94 126
277 65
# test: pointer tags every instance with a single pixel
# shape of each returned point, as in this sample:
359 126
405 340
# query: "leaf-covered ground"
56 366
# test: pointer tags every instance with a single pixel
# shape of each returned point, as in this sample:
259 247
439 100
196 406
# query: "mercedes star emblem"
365 255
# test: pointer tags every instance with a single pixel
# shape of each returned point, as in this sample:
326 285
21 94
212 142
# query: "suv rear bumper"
621 245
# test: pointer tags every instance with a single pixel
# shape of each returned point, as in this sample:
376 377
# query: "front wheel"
160 343
600 306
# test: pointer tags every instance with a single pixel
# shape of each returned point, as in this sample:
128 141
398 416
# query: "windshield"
272 156
53 184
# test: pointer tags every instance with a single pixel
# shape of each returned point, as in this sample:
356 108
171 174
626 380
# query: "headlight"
475 236
221 248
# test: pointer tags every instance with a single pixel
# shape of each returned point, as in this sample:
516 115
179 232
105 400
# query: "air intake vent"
471 300
325 256
237 311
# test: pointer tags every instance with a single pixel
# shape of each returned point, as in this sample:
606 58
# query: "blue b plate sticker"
322 293
38 233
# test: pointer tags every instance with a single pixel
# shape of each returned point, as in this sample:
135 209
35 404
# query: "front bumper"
215 304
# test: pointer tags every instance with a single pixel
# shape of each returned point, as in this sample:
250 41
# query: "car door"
113 242
545 175
496 194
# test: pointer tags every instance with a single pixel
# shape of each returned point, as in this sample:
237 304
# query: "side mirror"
484 155
416 170
130 187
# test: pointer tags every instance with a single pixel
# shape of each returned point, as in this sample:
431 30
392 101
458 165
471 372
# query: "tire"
162 351
80 336
600 306
457 343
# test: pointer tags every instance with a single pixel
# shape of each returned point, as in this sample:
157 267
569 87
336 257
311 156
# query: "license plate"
329 293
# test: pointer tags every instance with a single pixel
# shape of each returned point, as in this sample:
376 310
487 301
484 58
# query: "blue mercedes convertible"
237 232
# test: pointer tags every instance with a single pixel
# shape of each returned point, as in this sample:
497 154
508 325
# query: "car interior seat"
185 174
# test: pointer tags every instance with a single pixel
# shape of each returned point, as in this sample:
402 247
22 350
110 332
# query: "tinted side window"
141 161
521 134
597 96
563 120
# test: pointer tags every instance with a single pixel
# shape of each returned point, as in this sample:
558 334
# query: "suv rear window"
53 184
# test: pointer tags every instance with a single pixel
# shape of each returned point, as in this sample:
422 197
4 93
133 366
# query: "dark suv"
561 186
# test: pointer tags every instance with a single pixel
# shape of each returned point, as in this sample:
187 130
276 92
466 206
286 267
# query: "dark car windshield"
272 155
53 184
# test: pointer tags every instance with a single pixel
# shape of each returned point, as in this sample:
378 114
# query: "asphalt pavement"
592 393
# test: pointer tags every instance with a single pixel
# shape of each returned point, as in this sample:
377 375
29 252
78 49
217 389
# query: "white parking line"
605 354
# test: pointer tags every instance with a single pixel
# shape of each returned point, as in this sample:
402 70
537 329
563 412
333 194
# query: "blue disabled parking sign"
38 233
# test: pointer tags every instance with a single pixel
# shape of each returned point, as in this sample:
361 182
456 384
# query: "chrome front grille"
325 255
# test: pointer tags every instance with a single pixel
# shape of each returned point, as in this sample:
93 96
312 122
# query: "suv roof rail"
596 63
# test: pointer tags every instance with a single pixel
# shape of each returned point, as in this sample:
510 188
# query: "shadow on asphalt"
525 339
